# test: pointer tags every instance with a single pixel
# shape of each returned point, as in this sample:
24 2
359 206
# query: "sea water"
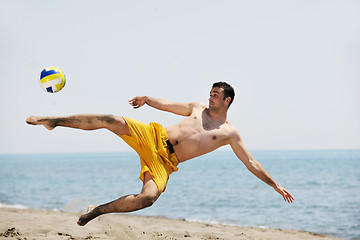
215 187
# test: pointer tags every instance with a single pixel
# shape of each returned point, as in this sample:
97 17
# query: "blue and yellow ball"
52 79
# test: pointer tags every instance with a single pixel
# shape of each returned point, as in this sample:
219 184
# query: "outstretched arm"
184 109
255 167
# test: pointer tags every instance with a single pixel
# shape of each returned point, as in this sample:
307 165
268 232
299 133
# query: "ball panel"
45 73
49 89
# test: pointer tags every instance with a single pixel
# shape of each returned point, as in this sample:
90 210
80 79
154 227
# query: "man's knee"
107 119
115 124
148 200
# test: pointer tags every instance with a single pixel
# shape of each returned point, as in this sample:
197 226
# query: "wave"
13 206
209 221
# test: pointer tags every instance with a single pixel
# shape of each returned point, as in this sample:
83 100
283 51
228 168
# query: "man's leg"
84 122
128 203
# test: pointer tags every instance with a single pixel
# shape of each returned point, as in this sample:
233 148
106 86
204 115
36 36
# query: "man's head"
226 90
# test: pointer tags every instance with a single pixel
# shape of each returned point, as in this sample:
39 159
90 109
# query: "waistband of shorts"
171 158
170 146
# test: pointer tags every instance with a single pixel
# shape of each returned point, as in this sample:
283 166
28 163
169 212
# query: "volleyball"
52 79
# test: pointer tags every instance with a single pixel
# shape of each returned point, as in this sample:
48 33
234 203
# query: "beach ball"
52 79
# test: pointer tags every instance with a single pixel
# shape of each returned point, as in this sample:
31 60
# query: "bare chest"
202 132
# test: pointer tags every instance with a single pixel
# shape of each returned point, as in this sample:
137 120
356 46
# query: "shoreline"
46 224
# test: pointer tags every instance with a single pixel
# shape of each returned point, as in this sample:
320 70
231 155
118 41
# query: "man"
203 130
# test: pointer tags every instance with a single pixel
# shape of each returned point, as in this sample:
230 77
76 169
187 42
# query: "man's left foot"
85 218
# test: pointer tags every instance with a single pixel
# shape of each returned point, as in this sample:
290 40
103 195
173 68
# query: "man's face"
216 99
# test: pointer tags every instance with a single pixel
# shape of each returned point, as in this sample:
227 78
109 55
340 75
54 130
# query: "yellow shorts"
149 141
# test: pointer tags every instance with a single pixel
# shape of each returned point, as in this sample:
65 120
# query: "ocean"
215 188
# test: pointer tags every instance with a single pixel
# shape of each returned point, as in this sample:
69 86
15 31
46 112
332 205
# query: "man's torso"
198 134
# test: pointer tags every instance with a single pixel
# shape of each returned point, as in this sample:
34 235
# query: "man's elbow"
252 165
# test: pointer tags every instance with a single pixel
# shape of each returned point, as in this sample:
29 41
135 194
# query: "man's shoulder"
198 105
232 131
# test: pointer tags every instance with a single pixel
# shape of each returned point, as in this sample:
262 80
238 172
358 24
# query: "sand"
29 224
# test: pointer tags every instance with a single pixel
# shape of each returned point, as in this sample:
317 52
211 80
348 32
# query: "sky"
295 67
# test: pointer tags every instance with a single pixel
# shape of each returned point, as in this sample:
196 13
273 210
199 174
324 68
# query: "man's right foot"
33 120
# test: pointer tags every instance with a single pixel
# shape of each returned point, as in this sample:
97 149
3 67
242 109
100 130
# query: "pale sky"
295 67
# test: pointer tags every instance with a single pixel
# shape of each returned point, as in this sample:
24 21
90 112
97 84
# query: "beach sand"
29 224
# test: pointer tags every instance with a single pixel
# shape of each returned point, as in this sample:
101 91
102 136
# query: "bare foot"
91 207
92 213
33 120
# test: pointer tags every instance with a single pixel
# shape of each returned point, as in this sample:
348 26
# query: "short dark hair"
228 90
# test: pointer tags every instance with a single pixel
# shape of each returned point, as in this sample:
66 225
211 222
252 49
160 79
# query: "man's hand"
137 102
286 195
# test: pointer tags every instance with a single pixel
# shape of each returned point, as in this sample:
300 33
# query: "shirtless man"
203 130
